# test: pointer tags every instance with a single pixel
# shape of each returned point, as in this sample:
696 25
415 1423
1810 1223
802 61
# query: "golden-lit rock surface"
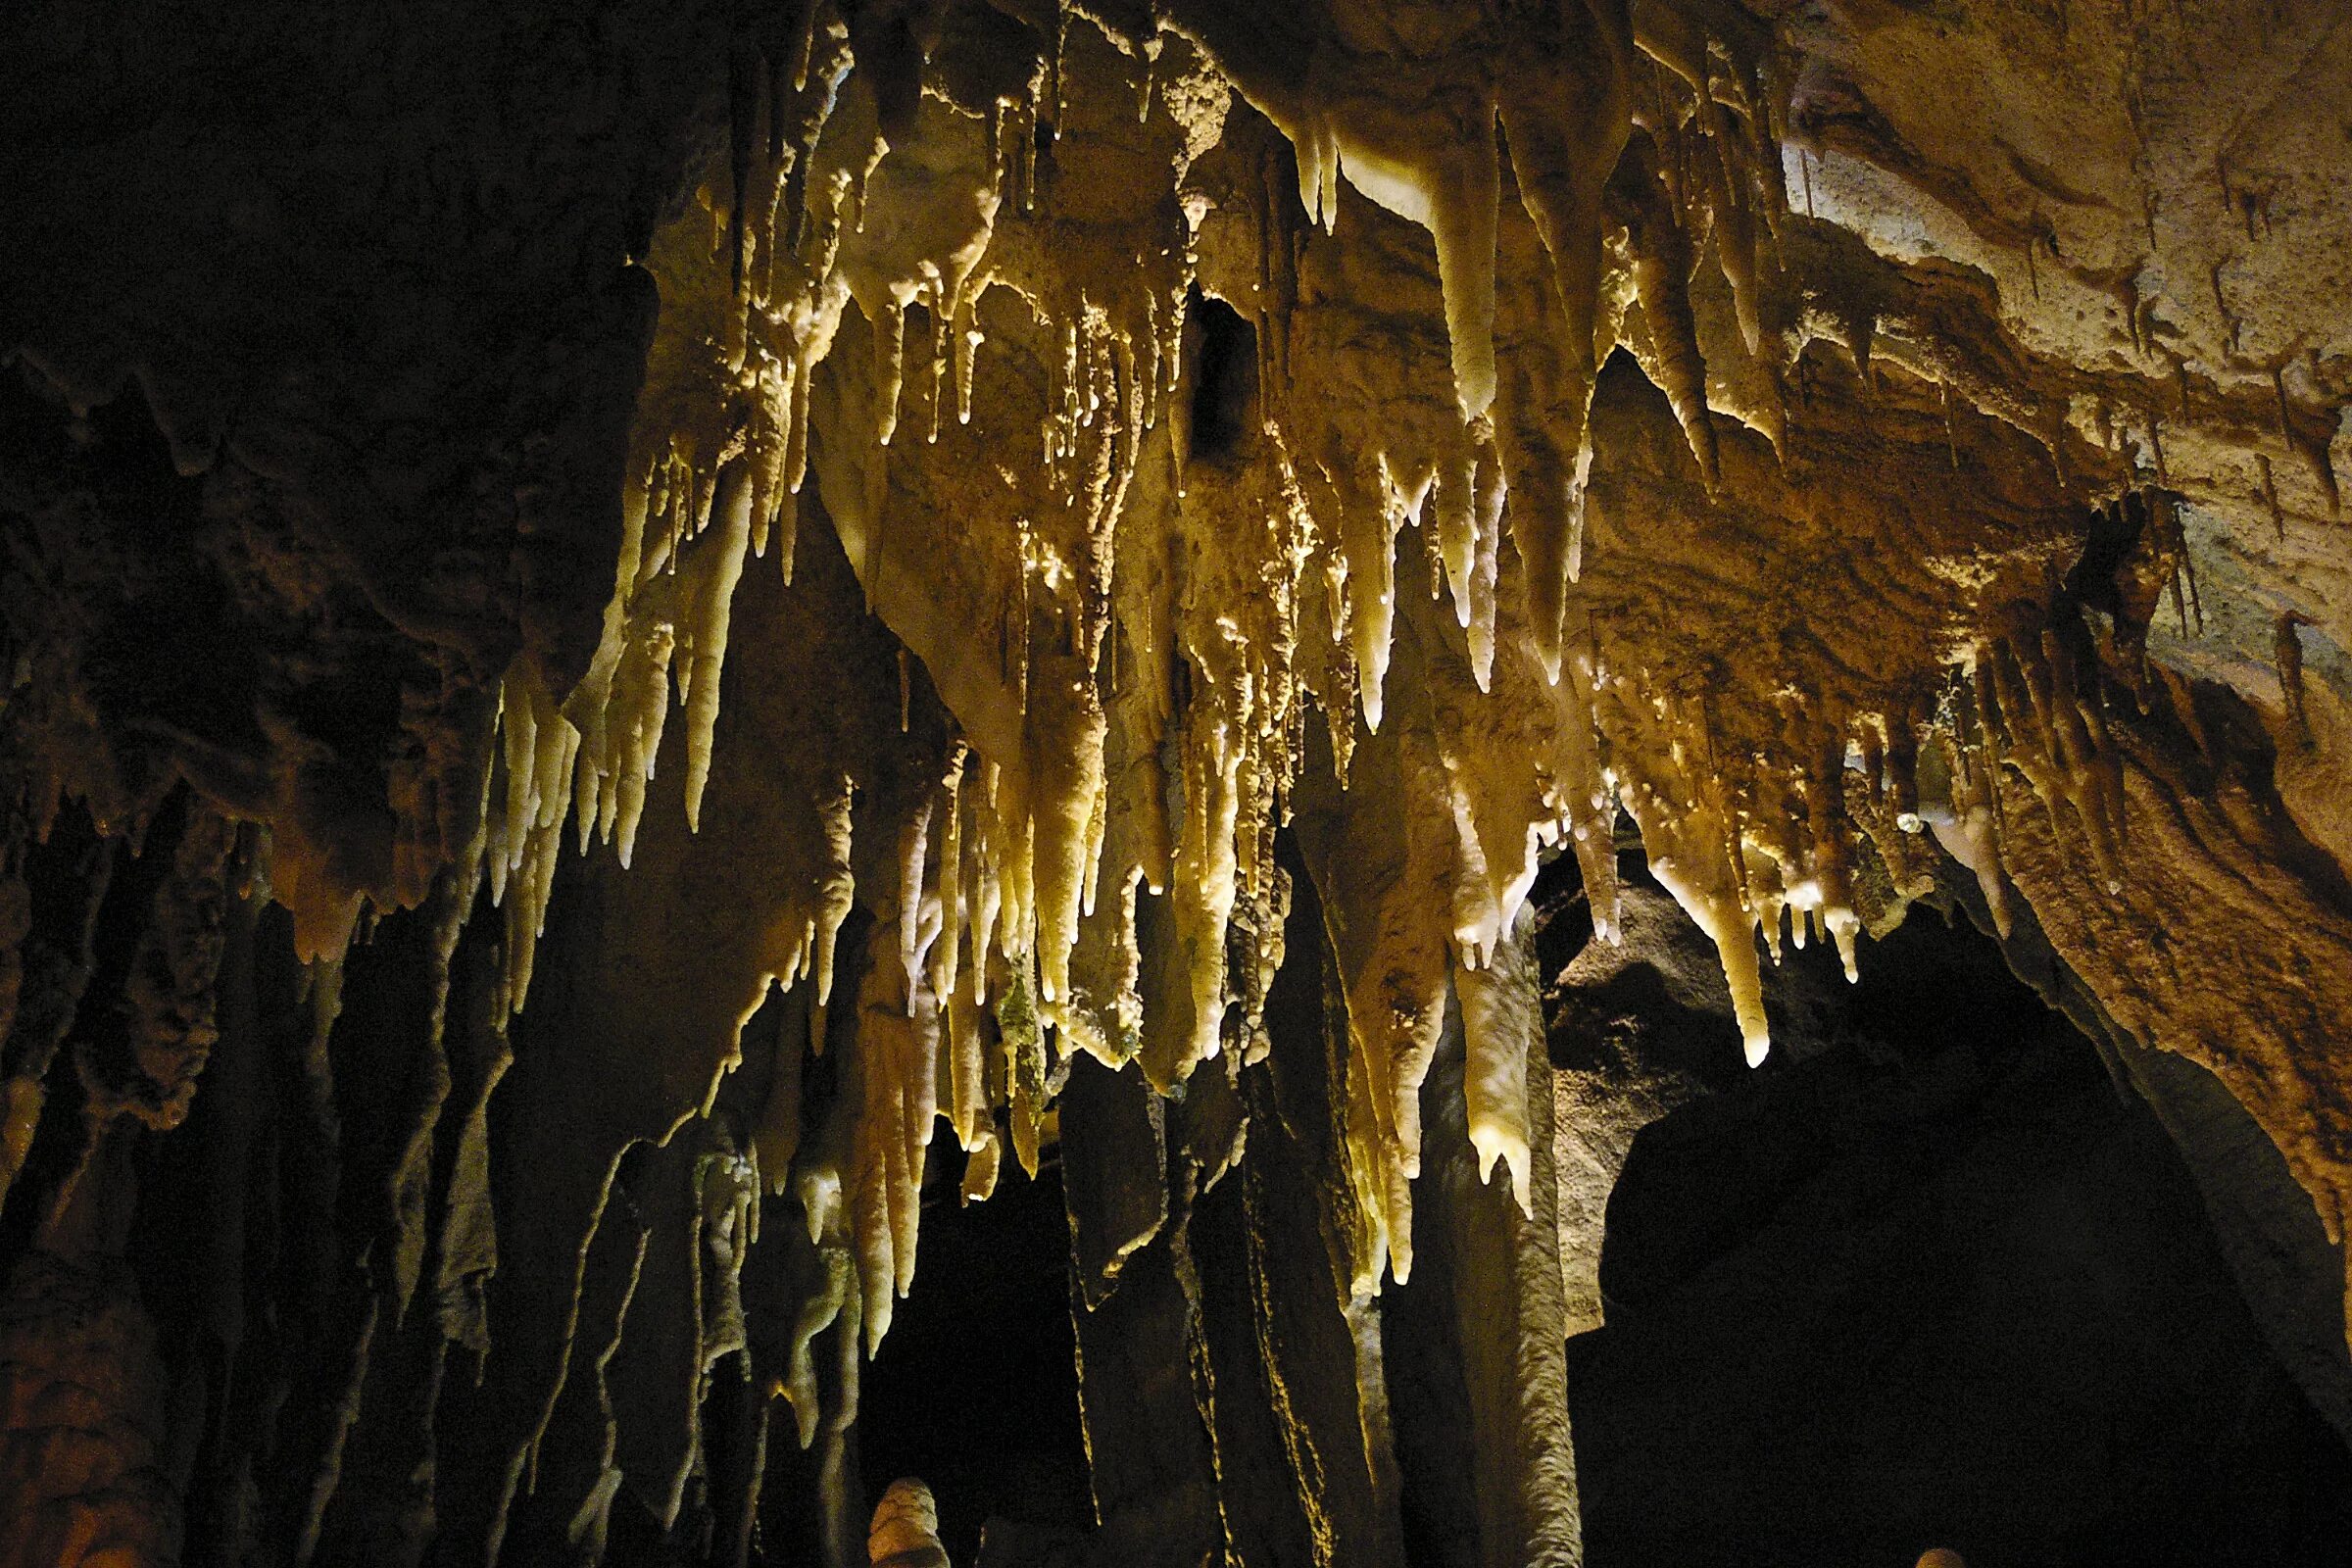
878 516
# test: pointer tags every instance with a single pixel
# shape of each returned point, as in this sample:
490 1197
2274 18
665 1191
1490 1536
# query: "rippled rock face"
614 617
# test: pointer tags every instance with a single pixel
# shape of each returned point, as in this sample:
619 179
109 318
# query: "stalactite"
1499 522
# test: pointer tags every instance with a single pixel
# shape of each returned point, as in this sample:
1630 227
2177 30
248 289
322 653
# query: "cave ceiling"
952 520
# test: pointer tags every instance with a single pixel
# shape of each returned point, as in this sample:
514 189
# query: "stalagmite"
906 1529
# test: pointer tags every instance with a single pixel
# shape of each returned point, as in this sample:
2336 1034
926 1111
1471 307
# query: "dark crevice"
976 1388
1223 375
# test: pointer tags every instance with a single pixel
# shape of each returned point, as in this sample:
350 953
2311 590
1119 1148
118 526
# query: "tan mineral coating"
1785 581
1143 649
906 1529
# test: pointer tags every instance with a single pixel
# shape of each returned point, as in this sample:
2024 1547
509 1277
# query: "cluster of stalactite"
1102 480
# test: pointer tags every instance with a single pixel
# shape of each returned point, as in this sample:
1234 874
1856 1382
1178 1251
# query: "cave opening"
976 1389
1934 1276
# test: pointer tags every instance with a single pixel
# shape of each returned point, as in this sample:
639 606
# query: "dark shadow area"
1222 352
976 1389
1929 1279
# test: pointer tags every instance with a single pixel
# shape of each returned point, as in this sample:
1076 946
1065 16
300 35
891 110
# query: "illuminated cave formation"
652 643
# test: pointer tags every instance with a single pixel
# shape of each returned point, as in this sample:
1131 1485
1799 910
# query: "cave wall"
545 755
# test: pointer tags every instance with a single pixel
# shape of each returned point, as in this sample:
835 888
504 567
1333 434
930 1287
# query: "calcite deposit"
625 622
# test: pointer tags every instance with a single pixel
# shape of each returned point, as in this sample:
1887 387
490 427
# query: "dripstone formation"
632 625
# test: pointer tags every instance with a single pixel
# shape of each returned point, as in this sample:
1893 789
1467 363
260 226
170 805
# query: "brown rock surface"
612 614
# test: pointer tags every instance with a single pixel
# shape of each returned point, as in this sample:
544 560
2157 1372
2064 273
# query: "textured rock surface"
614 615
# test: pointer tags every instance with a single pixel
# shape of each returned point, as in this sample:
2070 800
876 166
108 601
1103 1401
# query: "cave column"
1476 1343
